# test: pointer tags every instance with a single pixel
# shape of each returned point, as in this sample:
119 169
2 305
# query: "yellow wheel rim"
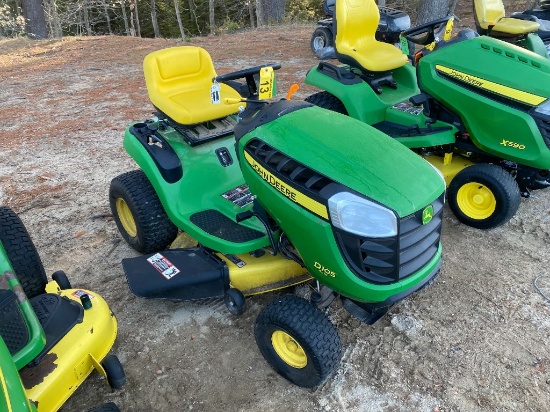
126 218
288 349
476 201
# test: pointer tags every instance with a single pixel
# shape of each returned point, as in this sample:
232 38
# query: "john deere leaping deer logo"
427 215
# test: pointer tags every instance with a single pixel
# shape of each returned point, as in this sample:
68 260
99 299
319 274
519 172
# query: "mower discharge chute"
268 195
475 107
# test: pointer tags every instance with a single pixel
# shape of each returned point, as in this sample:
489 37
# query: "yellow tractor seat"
179 81
355 42
490 17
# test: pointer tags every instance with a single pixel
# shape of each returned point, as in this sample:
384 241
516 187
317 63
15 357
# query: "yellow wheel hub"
476 201
288 349
126 217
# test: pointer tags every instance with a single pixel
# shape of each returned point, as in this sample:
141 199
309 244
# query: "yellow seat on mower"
490 17
355 42
179 80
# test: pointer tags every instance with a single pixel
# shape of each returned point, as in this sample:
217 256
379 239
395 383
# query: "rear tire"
327 101
298 341
22 253
322 37
484 196
138 213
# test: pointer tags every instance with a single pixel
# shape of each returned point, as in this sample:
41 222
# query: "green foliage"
11 25
298 11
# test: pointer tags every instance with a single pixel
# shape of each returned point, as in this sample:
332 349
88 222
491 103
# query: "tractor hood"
344 153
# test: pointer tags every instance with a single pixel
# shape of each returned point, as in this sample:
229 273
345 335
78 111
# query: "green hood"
357 156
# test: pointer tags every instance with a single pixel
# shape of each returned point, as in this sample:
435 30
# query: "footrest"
177 274
217 224
13 328
57 315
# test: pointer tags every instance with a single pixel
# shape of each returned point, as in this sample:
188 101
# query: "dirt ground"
477 339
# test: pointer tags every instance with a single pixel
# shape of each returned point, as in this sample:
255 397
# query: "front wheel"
298 341
484 196
138 213
322 37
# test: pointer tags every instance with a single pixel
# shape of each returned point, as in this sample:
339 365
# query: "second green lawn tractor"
274 193
475 107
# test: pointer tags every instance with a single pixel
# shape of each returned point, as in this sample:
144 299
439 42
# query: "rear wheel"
322 37
138 213
327 101
484 196
298 341
22 253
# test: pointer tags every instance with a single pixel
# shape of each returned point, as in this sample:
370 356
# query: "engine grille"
387 260
286 168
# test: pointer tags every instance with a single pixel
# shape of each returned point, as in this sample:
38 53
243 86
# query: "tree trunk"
125 18
86 17
138 27
193 15
107 18
211 17
178 17
429 10
35 19
154 20
54 22
251 14
260 16
274 11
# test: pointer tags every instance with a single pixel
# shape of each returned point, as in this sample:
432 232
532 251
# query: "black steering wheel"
245 73
426 33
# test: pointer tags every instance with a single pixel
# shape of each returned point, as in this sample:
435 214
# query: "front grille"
288 169
388 260
544 128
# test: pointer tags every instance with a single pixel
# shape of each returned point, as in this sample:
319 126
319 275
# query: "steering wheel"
239 74
425 33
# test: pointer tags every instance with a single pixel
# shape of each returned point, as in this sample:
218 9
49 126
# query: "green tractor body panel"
37 339
534 43
12 393
496 108
201 187
361 102
403 183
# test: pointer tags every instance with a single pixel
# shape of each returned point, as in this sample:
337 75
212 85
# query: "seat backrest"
488 12
176 70
356 23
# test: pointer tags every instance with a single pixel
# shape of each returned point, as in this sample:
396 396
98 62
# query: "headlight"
361 216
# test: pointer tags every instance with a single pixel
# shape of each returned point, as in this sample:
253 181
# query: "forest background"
182 19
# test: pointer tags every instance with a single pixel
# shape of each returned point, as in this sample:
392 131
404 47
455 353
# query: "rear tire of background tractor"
327 101
322 37
138 213
484 196
298 341
22 253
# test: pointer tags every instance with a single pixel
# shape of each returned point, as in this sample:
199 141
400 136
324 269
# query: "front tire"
22 253
298 341
322 37
327 101
138 213
484 196
116 378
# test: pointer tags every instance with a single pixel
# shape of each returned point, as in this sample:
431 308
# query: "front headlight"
361 216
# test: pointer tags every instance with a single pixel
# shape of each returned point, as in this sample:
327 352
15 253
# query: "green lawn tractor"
268 195
523 29
475 107
51 336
